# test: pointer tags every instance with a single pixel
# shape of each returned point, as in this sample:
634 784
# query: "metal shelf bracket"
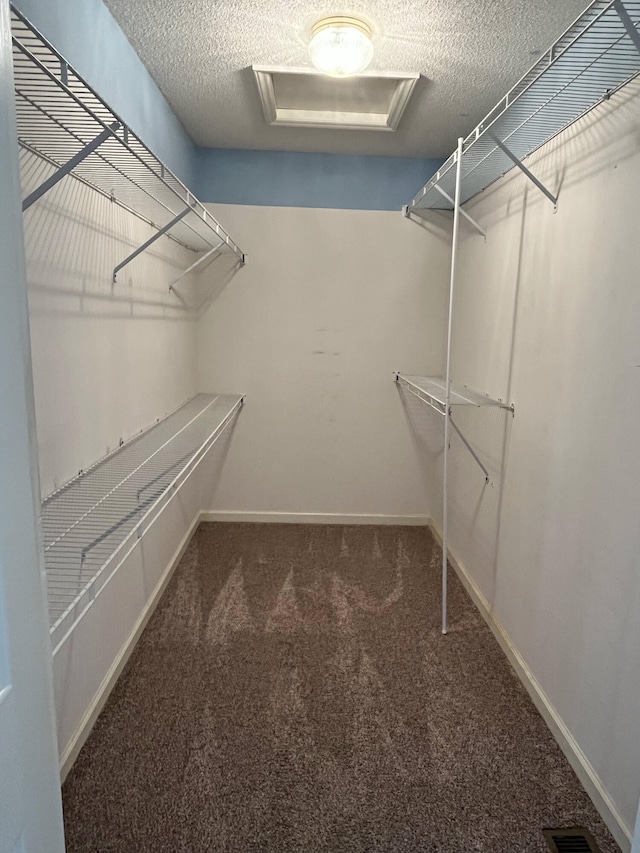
552 198
406 212
469 448
469 219
70 165
151 240
628 23
196 264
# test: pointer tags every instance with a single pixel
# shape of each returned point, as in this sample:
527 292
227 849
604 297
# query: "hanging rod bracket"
627 23
151 240
469 219
552 198
468 446
70 165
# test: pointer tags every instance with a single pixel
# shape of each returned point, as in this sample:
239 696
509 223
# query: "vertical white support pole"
445 474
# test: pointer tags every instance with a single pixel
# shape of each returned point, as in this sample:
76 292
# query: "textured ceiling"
468 51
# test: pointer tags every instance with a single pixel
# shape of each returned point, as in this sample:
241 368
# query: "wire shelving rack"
62 120
598 54
432 390
91 524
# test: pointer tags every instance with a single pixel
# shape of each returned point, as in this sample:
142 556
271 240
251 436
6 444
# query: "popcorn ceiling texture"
469 53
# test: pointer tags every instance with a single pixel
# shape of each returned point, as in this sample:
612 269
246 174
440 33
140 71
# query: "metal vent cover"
575 839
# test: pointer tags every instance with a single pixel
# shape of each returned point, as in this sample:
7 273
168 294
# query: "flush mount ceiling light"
341 47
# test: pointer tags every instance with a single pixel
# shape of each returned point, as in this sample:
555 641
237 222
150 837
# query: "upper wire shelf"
598 54
90 524
62 120
432 390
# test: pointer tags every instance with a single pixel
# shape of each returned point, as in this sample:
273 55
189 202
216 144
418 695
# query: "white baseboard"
313 518
583 769
102 694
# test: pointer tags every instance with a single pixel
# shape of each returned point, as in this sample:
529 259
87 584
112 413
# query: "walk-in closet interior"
321 402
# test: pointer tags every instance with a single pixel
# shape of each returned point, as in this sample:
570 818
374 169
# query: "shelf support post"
69 165
463 212
447 408
552 198
469 448
151 240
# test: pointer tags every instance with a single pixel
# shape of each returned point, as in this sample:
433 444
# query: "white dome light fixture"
341 47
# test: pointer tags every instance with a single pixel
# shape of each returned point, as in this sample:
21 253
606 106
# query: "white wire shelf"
597 55
432 390
62 120
90 523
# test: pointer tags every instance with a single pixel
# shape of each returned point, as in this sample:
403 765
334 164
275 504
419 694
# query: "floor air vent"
572 840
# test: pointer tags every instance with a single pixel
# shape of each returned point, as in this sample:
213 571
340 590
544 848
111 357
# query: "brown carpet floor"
292 692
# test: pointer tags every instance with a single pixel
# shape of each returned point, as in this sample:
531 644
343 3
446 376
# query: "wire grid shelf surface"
598 54
433 391
59 115
87 523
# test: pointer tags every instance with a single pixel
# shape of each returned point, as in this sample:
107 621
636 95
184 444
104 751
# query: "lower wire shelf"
432 390
92 523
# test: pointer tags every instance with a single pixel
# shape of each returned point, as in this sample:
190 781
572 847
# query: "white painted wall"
330 303
30 803
547 315
108 359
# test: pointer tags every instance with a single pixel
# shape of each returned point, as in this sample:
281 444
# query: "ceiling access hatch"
300 97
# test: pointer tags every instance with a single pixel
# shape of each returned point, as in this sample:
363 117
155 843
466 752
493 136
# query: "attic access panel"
300 97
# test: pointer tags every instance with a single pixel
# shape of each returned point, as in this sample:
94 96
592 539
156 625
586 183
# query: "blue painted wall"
86 34
289 179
